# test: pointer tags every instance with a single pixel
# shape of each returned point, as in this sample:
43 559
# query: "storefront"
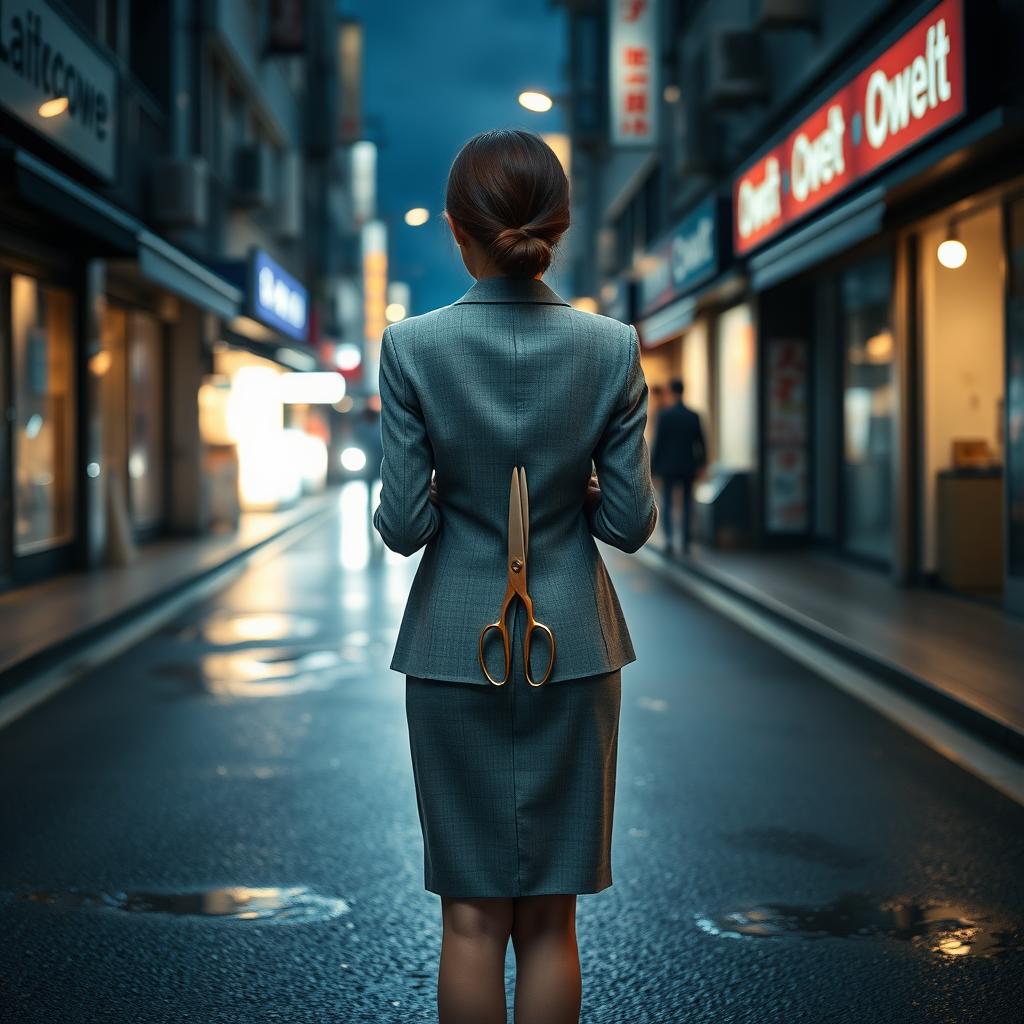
882 236
102 326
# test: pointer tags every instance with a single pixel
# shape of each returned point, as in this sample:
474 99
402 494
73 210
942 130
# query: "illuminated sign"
911 90
633 72
683 260
44 61
375 280
276 298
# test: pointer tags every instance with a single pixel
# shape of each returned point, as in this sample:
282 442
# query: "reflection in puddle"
277 672
237 629
939 929
235 902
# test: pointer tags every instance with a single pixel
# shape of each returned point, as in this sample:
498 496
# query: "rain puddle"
237 903
239 629
945 930
274 672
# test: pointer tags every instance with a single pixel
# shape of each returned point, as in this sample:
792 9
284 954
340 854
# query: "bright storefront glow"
353 459
394 312
347 356
952 254
312 388
310 456
535 101
417 216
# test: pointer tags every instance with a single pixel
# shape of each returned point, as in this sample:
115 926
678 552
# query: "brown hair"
507 189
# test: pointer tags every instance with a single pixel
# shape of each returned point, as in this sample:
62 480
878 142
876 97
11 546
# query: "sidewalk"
49 619
959 657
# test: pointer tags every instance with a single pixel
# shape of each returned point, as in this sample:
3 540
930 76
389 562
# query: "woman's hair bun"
508 190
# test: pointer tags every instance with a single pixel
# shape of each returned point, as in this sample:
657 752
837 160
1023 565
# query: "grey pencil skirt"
515 785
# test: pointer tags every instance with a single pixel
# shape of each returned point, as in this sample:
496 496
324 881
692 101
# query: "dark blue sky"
438 72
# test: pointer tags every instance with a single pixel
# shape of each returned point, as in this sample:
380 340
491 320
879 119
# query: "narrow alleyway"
220 826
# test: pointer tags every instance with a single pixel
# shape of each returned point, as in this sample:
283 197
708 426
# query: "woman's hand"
592 499
434 499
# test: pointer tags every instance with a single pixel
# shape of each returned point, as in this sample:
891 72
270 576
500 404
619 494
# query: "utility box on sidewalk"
722 507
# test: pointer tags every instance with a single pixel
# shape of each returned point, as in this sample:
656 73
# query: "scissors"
518 547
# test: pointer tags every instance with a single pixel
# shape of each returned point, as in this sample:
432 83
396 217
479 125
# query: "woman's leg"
547 960
471 980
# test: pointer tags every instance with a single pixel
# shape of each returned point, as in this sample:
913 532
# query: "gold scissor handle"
531 625
502 628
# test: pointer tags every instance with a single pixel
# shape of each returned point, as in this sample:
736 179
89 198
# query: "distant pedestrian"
678 456
515 781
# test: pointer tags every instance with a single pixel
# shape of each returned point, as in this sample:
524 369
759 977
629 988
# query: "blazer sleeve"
627 512
405 518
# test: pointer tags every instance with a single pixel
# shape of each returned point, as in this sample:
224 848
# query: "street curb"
976 754
39 682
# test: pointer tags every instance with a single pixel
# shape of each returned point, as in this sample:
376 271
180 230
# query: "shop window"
41 332
1015 392
736 399
868 410
962 397
145 420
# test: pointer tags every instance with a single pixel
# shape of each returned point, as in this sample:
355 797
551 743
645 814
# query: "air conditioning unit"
735 72
290 196
180 192
785 14
253 176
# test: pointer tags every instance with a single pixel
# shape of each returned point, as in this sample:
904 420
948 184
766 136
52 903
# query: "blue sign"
687 257
276 298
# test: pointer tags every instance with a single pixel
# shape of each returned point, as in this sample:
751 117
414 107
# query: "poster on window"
786 499
633 72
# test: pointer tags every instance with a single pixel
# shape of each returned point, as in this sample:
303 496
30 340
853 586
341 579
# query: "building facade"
819 228
165 177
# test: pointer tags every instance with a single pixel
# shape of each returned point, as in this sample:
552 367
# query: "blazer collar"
511 289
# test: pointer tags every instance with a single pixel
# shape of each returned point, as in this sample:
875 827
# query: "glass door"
868 409
42 415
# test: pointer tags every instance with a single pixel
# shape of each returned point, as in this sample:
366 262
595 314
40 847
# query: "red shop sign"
912 89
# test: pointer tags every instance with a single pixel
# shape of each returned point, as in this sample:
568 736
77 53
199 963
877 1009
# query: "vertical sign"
633 72
350 82
375 279
287 28
786 503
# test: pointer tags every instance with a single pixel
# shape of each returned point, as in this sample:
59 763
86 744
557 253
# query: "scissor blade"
524 495
516 538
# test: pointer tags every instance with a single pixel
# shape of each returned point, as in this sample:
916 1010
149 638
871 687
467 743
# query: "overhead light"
536 101
417 216
312 388
51 108
952 253
394 312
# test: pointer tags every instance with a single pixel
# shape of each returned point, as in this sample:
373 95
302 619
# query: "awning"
824 237
159 261
667 322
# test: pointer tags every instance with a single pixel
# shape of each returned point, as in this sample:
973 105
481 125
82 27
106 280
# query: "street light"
417 216
539 102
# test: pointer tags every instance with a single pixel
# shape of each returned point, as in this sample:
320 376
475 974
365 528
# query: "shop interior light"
51 108
952 253
878 348
585 303
536 101
312 388
100 362
417 216
672 94
394 312
347 356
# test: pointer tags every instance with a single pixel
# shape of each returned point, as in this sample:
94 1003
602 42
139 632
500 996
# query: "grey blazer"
511 375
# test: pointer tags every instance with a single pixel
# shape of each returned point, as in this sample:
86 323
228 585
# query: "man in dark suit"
678 455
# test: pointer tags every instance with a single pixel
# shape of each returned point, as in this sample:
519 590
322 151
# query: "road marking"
25 697
988 763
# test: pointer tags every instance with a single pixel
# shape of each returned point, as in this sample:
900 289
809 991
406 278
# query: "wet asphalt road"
260 742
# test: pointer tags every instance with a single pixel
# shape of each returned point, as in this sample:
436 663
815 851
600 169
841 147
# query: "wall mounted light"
51 108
